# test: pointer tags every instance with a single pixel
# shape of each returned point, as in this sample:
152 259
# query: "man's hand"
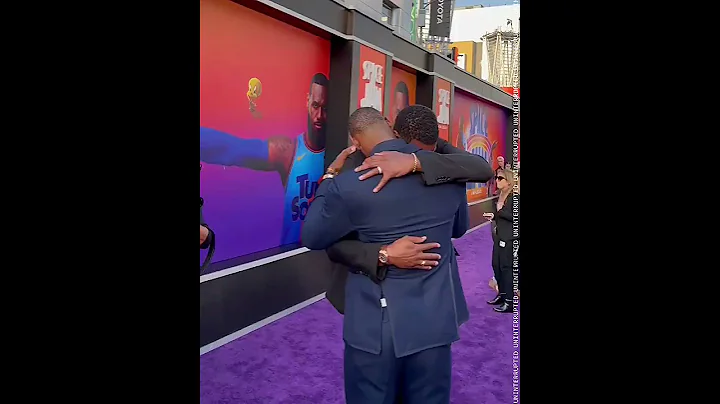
203 234
339 162
390 164
493 285
409 253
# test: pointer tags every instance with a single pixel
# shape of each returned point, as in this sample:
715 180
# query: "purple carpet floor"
299 358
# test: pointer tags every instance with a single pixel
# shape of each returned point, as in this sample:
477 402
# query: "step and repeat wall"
263 103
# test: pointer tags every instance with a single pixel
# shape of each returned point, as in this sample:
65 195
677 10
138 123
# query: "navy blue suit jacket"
422 305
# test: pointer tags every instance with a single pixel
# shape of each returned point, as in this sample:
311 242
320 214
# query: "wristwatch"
383 256
326 177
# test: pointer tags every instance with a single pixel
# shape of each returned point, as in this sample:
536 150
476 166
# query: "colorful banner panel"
443 107
371 88
262 126
403 95
480 128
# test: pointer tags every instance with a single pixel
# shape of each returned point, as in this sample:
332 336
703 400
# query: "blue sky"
486 3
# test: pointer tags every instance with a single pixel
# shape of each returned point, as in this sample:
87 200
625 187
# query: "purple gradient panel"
243 207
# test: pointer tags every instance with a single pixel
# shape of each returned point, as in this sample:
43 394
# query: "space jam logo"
479 121
443 116
373 78
301 203
475 139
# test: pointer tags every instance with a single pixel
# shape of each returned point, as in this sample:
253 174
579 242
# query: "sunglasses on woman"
498 178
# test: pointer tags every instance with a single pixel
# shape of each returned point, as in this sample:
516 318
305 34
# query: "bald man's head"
367 128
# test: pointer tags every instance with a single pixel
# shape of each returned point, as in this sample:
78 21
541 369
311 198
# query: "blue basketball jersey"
306 171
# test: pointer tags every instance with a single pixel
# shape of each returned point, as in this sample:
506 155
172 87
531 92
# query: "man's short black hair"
403 88
417 122
364 118
319 79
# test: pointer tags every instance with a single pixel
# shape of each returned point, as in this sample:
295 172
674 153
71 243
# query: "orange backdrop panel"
401 81
371 86
443 108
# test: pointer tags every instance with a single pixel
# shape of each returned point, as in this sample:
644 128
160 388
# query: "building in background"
395 13
434 24
471 23
483 31
485 3
502 53
427 23
496 30
470 56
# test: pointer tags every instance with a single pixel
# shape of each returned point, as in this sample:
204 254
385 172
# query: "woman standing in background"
492 184
505 238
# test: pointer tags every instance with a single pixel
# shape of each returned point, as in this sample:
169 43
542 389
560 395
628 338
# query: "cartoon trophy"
254 92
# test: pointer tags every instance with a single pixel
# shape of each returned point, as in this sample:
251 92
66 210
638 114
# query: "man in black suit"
445 164
397 333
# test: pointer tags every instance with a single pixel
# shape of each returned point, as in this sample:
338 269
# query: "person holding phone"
505 236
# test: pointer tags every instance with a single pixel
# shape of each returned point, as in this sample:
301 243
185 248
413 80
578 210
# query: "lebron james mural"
262 128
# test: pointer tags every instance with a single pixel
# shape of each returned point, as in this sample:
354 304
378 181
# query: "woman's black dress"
506 239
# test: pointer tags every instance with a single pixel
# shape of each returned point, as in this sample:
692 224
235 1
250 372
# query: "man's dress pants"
420 378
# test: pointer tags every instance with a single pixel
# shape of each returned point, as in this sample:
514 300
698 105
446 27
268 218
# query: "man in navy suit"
397 333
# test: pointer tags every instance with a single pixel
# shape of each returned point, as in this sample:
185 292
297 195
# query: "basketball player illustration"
402 99
299 160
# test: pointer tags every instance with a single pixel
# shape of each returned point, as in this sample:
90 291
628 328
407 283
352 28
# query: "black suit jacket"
448 164
504 219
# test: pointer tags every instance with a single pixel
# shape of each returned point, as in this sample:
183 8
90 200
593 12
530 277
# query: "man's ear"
397 135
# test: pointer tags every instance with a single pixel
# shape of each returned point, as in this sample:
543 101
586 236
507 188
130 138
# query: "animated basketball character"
254 92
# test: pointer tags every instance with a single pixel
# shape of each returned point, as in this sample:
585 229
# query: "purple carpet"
298 359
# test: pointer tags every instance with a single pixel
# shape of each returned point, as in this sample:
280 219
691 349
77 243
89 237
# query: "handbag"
211 247
208 257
